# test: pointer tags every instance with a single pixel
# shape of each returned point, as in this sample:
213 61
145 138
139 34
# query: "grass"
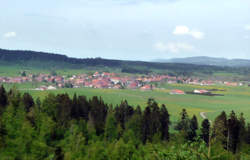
235 98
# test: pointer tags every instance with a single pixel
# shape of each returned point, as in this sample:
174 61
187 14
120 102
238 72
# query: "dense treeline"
57 61
59 127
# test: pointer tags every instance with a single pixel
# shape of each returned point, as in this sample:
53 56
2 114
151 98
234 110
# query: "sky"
128 29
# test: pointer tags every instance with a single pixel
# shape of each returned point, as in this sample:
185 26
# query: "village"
111 80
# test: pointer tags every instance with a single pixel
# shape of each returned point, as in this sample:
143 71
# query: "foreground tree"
165 122
220 130
3 99
205 130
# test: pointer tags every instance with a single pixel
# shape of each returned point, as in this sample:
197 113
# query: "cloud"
184 30
173 47
247 27
9 35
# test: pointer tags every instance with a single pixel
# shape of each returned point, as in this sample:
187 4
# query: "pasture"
235 98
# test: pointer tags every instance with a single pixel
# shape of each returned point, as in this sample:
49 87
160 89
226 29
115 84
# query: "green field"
235 98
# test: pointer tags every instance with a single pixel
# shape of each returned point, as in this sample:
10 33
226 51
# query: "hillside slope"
57 61
203 60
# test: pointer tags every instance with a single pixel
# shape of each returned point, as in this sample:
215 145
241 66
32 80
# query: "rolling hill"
50 61
203 60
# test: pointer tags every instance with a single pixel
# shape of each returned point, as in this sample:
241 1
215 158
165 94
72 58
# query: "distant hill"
49 61
209 61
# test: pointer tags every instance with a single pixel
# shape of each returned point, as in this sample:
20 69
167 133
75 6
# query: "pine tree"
28 101
63 109
165 122
84 107
75 111
146 125
220 129
138 110
205 130
3 99
98 114
193 127
111 128
155 118
183 124
233 132
247 136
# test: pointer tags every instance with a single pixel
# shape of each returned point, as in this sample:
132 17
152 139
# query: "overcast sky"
128 29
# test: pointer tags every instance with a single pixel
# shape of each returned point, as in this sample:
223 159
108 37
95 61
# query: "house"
200 91
51 88
115 80
177 91
133 85
146 87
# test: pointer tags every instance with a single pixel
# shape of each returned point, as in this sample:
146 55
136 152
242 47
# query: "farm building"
200 91
177 91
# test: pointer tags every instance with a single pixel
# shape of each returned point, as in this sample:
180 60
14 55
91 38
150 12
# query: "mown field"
235 98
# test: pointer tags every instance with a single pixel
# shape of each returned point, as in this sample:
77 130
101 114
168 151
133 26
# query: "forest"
64 128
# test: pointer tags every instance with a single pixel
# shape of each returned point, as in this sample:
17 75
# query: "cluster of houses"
109 80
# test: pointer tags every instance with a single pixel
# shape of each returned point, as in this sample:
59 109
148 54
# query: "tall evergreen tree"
84 107
3 98
28 101
123 113
138 110
193 127
205 130
146 124
183 124
111 132
220 129
165 122
233 132
98 114
247 135
63 109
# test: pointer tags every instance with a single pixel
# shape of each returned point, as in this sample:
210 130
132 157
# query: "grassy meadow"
235 98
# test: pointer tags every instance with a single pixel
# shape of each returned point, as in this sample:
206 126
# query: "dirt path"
202 114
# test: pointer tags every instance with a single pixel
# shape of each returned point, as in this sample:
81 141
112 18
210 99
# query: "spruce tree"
233 132
165 122
146 125
193 127
205 130
247 135
3 98
28 101
220 129
111 132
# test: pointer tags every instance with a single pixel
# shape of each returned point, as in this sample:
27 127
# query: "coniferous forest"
63 128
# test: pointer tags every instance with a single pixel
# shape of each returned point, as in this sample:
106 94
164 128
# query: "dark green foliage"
28 101
61 128
111 132
183 125
193 127
123 113
233 132
23 74
220 129
205 130
165 122
63 109
247 135
98 114
3 98
151 124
